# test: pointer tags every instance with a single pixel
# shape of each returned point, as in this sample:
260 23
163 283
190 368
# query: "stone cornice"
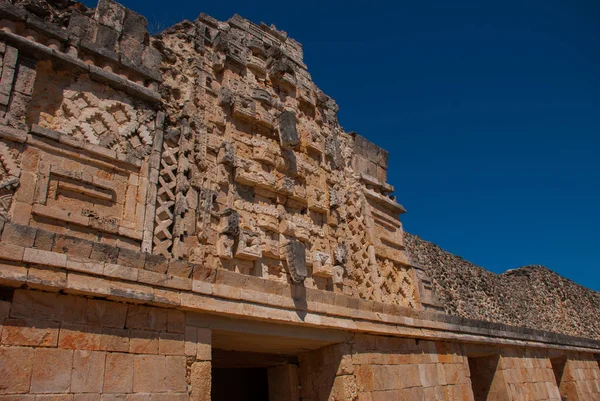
237 295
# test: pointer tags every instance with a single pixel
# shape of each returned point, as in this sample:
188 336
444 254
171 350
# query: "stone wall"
65 347
531 296
376 368
159 196
271 186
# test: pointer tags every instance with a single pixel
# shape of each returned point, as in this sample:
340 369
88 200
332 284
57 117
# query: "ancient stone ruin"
183 218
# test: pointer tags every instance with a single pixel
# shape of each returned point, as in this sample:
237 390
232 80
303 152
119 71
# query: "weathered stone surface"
88 372
231 189
118 374
51 370
467 290
288 133
295 253
15 369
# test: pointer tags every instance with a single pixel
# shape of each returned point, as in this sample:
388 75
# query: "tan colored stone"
104 313
175 374
81 337
51 370
118 373
86 397
88 372
54 397
146 318
37 333
171 344
44 258
149 373
176 321
46 278
11 273
143 342
46 306
114 340
200 381
15 369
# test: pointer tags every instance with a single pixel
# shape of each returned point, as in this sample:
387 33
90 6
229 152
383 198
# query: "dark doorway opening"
250 376
240 384
558 367
483 369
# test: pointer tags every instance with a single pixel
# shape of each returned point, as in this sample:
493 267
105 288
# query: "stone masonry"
185 207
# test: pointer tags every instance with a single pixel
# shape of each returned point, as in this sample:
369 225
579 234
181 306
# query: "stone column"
200 374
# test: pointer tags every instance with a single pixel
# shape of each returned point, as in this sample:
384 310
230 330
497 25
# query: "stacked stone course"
65 347
166 199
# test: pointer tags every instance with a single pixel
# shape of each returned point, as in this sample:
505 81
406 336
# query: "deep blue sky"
490 112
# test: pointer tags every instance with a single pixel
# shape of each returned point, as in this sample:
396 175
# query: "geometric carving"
9 179
397 284
249 245
385 228
322 266
99 116
165 194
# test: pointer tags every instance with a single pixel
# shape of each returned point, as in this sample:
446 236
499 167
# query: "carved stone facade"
249 133
170 204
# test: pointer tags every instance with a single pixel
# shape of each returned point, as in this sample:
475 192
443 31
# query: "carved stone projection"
257 176
10 174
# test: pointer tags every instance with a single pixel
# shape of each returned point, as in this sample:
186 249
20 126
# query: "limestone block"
146 318
317 199
293 229
26 332
15 369
229 222
252 174
261 95
175 378
341 254
225 245
105 313
288 133
88 372
264 154
338 274
119 373
248 245
143 342
244 109
295 254
52 370
268 222
226 154
200 381
171 344
80 25
322 266
149 373
111 14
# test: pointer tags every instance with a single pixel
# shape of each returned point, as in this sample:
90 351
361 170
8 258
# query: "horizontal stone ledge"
90 148
13 134
40 51
384 201
91 279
